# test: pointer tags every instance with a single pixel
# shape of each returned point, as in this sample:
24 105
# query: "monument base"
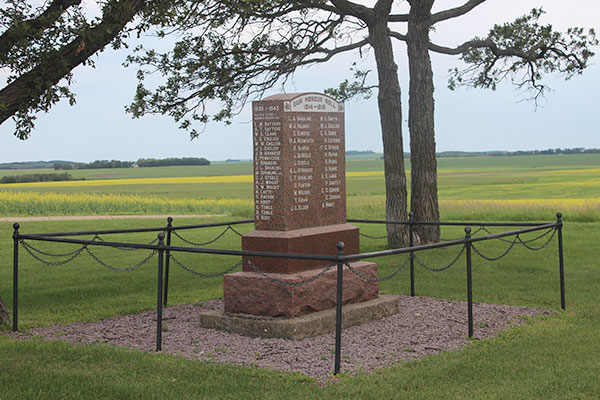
316 240
299 328
253 293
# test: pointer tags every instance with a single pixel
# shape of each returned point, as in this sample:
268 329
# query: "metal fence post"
161 243
167 260
469 280
561 263
16 227
412 254
338 308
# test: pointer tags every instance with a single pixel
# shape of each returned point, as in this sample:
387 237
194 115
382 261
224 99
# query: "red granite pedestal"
252 293
316 240
249 292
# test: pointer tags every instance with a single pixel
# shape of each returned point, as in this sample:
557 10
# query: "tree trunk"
390 114
424 198
4 316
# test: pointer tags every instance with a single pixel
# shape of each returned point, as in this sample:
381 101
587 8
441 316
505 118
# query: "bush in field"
37 178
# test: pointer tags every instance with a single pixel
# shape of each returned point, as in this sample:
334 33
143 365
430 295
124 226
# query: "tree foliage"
51 177
232 50
227 52
40 47
523 52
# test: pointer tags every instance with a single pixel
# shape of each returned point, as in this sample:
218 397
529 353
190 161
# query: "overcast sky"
470 120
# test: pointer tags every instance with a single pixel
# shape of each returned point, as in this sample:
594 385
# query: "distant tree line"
575 150
52 177
359 152
152 162
93 165
142 162
28 165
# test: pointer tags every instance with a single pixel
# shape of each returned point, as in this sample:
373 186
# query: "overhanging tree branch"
25 30
356 10
455 12
25 92
523 51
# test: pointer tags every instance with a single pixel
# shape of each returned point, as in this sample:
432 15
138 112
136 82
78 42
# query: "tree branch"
356 10
20 94
25 30
536 52
399 36
398 18
455 12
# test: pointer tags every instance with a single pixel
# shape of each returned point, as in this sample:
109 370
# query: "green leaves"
232 51
39 47
523 52
356 89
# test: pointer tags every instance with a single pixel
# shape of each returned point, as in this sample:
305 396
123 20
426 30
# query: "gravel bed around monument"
423 326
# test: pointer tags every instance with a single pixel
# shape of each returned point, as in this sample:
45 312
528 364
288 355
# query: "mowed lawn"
551 357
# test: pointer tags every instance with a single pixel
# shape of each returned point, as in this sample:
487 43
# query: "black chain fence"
158 247
202 274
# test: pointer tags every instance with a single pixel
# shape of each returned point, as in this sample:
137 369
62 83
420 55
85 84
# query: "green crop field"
524 187
551 357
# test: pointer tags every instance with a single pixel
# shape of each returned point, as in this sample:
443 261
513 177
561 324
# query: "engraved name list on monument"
299 162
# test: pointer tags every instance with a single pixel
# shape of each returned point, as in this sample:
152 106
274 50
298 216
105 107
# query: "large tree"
521 51
40 47
233 50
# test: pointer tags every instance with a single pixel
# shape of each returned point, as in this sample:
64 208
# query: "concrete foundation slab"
305 326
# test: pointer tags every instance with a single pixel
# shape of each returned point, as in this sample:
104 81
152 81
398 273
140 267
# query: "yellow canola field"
162 181
33 203
138 181
557 204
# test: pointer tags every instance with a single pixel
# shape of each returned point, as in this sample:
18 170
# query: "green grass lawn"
553 357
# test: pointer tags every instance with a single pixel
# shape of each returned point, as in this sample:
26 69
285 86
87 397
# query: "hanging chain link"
372 237
105 265
488 258
31 250
235 231
203 275
206 243
283 283
524 243
381 237
24 244
481 228
422 264
97 237
385 278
